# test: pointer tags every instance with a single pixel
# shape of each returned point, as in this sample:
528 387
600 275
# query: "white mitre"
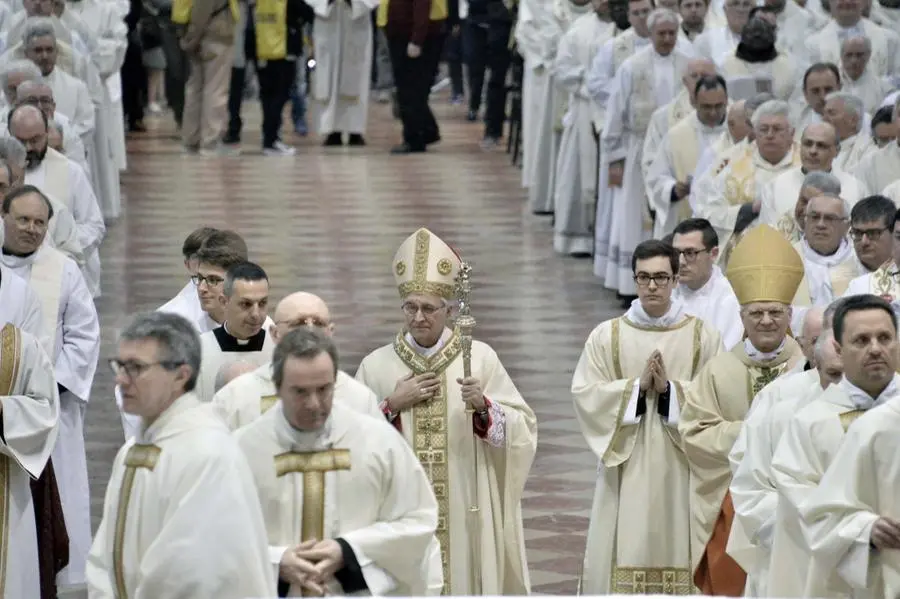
425 264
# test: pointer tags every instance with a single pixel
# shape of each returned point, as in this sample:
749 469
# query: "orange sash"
717 573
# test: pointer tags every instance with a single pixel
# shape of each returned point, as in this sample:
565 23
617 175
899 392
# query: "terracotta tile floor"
329 221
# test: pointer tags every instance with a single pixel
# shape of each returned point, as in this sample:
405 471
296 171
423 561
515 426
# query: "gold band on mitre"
425 264
764 267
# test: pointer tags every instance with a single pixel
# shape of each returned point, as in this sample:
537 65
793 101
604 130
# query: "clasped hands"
312 564
654 375
414 389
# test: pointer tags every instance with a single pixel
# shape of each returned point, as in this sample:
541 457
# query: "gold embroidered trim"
419 363
10 354
766 376
698 332
616 350
848 418
675 327
138 456
420 282
400 268
652 581
312 461
313 465
266 402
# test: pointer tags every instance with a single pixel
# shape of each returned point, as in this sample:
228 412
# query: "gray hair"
778 108
231 371
178 342
13 151
828 315
304 343
36 27
660 16
19 67
825 340
825 182
751 104
852 103
833 196
38 81
858 38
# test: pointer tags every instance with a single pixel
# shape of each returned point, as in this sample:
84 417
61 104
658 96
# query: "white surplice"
221 348
858 488
645 81
879 168
825 46
675 159
19 305
752 488
805 451
376 498
181 518
853 150
75 336
252 394
65 181
779 197
186 303
870 88
74 101
576 167
30 424
342 77
715 304
640 453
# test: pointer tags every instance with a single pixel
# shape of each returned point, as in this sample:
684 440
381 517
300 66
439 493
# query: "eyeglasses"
773 129
828 219
305 321
872 234
660 279
211 280
758 315
411 309
690 254
133 370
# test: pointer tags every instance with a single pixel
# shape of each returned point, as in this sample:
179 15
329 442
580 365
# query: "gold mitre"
764 267
425 264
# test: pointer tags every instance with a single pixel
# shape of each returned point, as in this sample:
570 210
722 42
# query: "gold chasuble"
639 534
763 268
441 435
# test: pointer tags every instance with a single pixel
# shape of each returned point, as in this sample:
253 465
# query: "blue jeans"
298 91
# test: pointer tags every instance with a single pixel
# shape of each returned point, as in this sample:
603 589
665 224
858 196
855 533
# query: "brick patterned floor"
329 221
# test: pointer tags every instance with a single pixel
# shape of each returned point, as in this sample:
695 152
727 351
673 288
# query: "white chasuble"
779 197
716 43
30 420
853 150
752 487
343 47
251 395
879 168
441 434
714 411
715 304
639 534
881 282
803 455
220 348
825 46
870 88
181 517
355 480
858 488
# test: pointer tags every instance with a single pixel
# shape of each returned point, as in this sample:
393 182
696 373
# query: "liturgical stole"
46 279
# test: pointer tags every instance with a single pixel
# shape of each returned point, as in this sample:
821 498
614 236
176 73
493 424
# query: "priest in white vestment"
729 197
717 42
343 494
251 395
672 160
38 93
815 433
818 150
794 24
340 84
846 113
181 517
646 80
879 168
243 334
819 80
575 195
73 333
58 177
421 377
872 223
737 128
628 390
187 302
857 78
20 304
29 408
702 288
756 65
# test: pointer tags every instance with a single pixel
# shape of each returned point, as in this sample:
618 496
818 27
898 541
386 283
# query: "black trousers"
413 78
134 83
177 68
235 99
275 80
486 46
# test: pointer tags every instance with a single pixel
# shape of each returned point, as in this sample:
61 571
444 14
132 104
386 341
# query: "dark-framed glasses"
828 219
211 280
872 234
133 370
660 279
690 254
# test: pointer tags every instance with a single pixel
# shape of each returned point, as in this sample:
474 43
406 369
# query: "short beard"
33 158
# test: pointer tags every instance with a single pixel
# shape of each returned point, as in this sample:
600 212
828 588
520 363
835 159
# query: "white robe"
375 497
576 176
30 424
715 304
252 394
186 304
73 100
342 77
62 179
73 147
20 306
853 150
644 82
879 168
825 46
76 351
716 43
181 518
779 197
219 351
870 88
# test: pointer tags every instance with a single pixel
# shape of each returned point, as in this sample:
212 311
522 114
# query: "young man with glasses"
871 229
628 388
702 287
885 280
765 272
251 395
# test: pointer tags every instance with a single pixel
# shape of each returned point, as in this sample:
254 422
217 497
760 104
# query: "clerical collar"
673 315
863 401
761 356
230 343
840 255
742 52
428 351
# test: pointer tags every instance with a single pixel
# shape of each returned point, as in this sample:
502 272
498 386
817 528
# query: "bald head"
36 93
828 362
811 330
697 69
738 121
821 130
301 309
26 117
229 372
